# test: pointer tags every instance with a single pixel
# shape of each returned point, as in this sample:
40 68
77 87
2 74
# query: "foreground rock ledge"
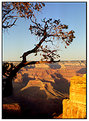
75 106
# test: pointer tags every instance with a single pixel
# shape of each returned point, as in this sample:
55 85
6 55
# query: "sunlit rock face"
40 91
11 110
78 89
42 86
75 106
34 83
41 66
62 65
57 76
19 79
12 107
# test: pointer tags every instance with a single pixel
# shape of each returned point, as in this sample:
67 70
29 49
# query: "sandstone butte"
41 66
75 106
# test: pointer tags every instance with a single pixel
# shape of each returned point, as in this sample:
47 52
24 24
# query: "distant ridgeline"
61 63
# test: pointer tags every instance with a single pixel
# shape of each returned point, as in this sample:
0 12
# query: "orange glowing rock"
13 107
75 107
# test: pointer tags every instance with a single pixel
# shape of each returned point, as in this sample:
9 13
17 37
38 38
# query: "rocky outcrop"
12 107
40 91
11 110
19 79
75 106
41 66
34 83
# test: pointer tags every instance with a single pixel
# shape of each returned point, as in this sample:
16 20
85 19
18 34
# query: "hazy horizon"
45 63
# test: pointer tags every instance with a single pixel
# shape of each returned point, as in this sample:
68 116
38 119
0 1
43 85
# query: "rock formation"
41 66
39 92
19 79
11 110
75 106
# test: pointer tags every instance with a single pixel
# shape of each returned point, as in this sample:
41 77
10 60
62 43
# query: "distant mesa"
41 66
73 63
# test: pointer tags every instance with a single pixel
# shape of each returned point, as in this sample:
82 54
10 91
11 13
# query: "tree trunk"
7 88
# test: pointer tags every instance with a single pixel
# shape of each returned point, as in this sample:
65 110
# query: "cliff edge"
75 106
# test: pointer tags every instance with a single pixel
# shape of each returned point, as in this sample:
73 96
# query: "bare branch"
33 50
50 30
10 25
13 10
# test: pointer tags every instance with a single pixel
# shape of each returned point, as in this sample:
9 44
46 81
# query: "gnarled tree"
48 31
11 11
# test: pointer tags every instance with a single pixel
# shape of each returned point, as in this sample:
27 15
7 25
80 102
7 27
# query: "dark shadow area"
7 88
43 109
25 79
33 102
54 66
46 87
34 92
82 71
29 67
34 108
43 80
17 86
61 84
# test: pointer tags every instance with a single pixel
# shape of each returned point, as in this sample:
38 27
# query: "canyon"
40 91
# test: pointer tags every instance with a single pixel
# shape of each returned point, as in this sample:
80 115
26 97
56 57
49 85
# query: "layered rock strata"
75 106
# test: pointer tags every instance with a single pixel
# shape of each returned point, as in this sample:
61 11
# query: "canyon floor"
38 90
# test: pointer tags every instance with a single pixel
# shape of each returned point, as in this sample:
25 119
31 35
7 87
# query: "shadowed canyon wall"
38 91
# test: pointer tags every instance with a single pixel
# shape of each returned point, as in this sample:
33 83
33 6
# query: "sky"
18 39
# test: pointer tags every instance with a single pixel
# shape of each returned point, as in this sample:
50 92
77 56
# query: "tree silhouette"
48 31
11 11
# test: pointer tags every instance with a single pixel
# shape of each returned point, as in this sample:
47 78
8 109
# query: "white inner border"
1 54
